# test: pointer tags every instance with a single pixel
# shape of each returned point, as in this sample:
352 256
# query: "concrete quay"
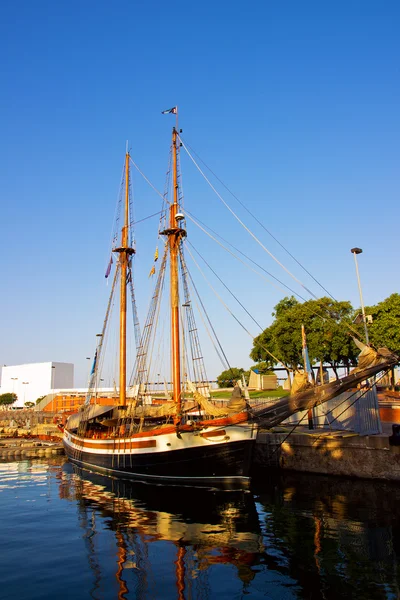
329 452
17 449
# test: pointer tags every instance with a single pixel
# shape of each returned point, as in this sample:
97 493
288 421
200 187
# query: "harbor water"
68 533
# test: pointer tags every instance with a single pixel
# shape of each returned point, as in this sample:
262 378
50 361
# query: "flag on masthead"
172 111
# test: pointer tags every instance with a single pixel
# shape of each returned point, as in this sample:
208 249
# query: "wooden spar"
173 240
123 261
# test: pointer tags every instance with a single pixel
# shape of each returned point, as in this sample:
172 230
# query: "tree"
326 323
29 404
229 377
38 400
8 399
385 327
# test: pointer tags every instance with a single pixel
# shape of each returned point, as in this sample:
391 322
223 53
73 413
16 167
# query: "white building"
33 380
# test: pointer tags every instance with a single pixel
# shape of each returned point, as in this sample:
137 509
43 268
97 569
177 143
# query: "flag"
109 267
171 111
152 271
156 254
129 277
94 364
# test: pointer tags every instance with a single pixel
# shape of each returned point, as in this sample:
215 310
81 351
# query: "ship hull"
188 458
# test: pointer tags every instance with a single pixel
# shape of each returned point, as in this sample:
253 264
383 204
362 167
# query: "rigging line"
148 181
154 328
231 313
220 352
225 286
362 394
261 224
224 357
327 317
246 228
330 411
243 263
116 213
149 217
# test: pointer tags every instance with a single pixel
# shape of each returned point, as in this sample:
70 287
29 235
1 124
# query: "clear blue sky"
295 105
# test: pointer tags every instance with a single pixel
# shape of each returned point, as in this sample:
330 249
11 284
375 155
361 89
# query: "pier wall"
337 453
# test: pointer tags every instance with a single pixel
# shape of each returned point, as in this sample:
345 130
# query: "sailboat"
189 440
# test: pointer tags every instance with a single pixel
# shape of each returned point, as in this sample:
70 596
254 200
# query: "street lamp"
25 383
51 390
14 379
356 251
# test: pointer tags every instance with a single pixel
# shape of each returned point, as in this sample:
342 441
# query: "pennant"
156 254
170 111
109 267
129 277
153 270
94 364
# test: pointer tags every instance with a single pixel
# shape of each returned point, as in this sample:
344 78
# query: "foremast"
125 253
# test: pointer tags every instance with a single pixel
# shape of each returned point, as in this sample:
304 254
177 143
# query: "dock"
338 453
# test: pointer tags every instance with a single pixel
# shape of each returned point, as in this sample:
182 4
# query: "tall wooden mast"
124 253
174 235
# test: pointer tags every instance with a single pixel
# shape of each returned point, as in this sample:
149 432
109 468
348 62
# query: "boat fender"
394 439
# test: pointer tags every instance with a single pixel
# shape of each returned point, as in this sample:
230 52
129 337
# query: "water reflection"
203 527
294 536
338 538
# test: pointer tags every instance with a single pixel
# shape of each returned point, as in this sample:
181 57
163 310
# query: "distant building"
31 381
257 381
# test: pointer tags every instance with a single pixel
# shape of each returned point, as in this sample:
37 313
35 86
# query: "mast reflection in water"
205 526
74 534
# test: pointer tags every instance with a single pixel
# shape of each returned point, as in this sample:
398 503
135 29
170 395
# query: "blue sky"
293 104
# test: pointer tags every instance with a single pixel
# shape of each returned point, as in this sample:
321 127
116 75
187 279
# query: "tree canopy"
8 398
229 377
326 324
385 327
329 325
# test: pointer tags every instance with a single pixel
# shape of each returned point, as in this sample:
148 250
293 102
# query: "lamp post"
25 383
88 375
356 251
14 379
51 390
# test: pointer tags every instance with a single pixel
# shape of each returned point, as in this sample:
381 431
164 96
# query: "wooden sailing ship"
187 440
183 441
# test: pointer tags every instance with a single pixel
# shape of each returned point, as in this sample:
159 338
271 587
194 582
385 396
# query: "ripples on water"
73 534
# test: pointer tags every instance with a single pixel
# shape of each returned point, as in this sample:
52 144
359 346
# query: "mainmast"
124 253
175 233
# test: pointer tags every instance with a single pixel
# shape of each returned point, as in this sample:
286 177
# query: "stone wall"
333 454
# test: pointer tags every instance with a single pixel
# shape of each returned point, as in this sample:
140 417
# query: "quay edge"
329 453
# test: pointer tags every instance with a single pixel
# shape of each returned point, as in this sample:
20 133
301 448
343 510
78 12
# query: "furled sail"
370 363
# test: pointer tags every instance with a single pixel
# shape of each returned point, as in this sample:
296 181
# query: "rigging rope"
327 316
222 358
261 224
245 227
234 316
148 181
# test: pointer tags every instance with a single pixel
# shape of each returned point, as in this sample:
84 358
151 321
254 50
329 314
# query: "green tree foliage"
385 327
229 377
38 400
8 398
326 325
29 404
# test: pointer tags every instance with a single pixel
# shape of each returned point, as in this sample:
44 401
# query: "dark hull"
222 463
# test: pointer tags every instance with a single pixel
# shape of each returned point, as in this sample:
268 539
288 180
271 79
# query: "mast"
124 253
174 235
